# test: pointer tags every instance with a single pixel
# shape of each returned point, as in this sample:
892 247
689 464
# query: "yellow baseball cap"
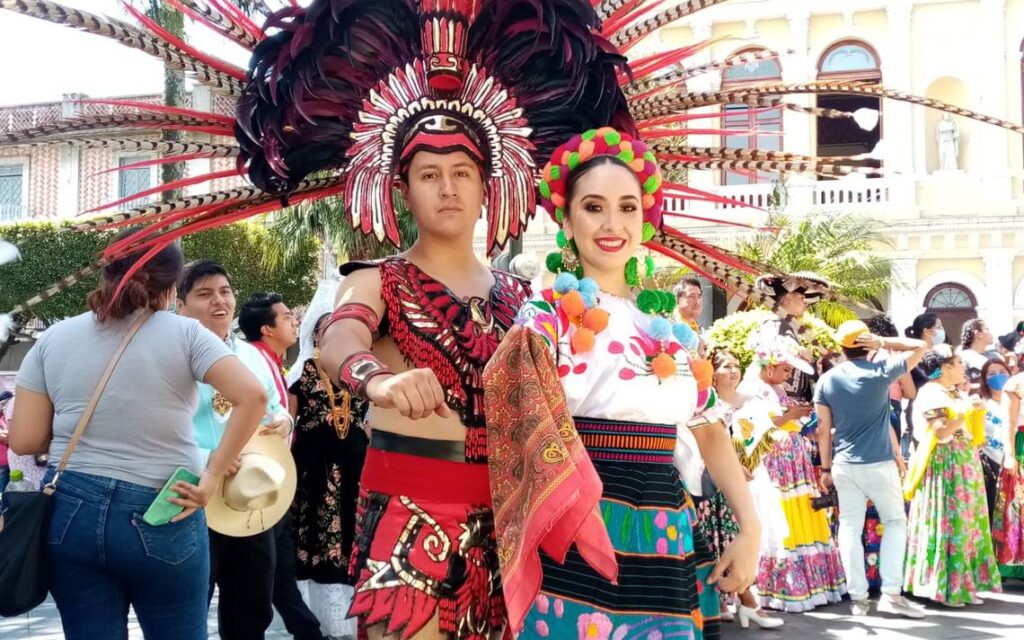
849 331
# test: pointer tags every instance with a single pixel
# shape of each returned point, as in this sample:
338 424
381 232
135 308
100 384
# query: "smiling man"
243 568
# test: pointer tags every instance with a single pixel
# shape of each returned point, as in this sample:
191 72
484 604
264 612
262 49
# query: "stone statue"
948 135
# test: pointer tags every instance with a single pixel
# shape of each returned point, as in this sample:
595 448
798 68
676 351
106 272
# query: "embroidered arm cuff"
355 311
358 369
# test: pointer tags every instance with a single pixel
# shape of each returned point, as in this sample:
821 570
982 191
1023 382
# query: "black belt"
454 450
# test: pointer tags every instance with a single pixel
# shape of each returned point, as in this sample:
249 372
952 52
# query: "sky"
40 61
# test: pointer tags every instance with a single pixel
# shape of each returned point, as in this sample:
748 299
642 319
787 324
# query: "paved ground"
1002 616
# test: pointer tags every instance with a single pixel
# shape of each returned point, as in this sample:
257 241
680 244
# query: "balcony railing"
11 213
831 195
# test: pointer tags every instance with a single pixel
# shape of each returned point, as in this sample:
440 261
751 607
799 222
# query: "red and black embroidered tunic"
454 337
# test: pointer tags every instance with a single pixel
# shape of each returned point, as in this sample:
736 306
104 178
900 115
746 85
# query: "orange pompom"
647 201
664 366
703 372
638 164
582 340
558 200
586 150
572 304
549 172
595 319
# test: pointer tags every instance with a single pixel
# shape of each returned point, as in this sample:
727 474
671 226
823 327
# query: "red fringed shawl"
544 486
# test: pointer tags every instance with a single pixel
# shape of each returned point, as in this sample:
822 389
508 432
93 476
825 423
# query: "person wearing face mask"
994 376
975 342
949 551
927 327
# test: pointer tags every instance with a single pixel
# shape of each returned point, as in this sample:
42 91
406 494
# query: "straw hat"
258 496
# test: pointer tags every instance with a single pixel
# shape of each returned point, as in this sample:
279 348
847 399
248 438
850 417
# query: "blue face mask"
997 381
940 336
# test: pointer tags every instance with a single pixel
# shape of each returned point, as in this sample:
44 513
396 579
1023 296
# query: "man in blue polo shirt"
863 459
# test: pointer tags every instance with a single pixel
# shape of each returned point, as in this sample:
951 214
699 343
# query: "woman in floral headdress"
800 567
585 400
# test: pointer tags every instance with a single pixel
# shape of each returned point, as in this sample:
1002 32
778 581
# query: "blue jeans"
5 476
102 558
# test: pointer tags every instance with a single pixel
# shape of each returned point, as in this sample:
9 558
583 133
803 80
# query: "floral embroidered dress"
329 450
949 550
1008 519
716 521
800 568
628 421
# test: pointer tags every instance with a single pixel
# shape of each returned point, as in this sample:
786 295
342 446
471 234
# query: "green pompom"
648 232
648 301
649 267
545 189
560 239
650 157
556 172
668 302
627 155
613 138
652 183
554 262
559 215
632 276
574 160
589 135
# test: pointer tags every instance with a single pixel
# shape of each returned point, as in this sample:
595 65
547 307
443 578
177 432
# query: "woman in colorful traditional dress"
949 552
715 519
800 568
329 449
1008 519
585 399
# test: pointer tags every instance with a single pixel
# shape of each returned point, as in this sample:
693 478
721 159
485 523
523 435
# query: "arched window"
745 119
848 60
954 304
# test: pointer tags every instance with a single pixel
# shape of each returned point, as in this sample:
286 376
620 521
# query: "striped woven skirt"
663 566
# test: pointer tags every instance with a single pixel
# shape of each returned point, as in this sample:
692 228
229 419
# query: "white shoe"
860 608
975 600
758 617
899 606
726 614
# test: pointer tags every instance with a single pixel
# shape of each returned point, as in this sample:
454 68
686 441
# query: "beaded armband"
354 311
358 369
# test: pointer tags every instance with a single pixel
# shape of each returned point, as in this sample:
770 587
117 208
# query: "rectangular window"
765 124
12 192
132 181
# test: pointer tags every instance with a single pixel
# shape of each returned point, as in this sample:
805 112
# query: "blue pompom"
589 299
566 282
661 328
589 286
686 336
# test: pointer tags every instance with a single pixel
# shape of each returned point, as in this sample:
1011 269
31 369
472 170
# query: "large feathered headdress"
339 94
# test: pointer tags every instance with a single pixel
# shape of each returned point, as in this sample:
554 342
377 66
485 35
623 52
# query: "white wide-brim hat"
258 496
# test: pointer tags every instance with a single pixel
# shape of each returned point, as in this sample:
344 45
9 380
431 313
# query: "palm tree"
325 220
841 247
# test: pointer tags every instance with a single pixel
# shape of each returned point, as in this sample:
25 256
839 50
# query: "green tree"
324 221
175 94
49 255
841 247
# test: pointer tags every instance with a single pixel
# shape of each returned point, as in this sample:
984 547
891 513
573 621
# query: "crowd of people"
458 452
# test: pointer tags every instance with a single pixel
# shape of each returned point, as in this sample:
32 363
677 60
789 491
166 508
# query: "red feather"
177 184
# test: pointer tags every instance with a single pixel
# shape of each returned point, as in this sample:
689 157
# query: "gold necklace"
341 416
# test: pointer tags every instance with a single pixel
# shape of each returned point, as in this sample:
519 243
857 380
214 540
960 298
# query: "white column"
899 151
68 172
990 151
999 282
795 69
903 303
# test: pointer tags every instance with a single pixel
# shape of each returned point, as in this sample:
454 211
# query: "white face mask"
939 337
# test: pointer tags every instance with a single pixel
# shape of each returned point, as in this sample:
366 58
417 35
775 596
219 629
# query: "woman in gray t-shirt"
102 557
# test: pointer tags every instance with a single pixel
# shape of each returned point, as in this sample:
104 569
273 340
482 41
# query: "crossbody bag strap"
83 421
